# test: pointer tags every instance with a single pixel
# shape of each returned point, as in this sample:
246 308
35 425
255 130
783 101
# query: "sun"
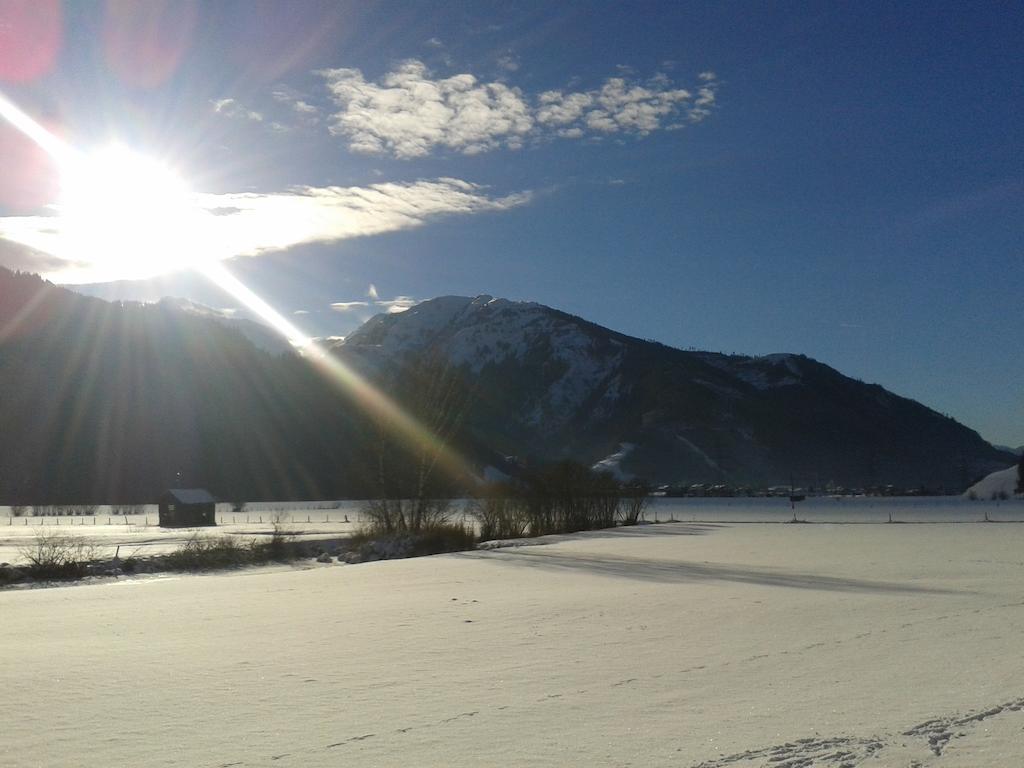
123 215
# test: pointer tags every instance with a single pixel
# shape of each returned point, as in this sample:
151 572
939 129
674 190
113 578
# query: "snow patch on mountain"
697 450
766 372
613 463
484 331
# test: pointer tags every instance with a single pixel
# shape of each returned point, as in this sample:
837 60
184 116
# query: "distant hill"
556 386
260 335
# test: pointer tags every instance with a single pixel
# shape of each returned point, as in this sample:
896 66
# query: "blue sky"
841 181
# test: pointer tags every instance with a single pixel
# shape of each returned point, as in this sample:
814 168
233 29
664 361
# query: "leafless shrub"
635 498
55 556
500 514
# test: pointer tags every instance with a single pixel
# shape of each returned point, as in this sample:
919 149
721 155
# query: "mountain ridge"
110 403
690 416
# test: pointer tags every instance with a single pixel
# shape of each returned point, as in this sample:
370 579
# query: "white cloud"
305 108
391 306
301 312
408 113
348 306
298 105
557 108
397 304
509 63
222 226
371 292
234 109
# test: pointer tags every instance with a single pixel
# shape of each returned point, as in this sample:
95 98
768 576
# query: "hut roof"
192 496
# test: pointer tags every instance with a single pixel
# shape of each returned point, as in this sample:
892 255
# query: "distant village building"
187 508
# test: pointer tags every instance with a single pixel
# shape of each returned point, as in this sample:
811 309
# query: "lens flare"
386 411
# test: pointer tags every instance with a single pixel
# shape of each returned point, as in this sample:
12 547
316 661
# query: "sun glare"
126 216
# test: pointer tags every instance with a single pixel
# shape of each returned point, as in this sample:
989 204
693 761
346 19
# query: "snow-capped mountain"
552 385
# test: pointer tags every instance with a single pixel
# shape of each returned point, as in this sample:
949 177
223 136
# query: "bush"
48 510
55 556
376 544
499 514
200 553
635 497
401 515
562 498
280 547
18 510
127 509
443 537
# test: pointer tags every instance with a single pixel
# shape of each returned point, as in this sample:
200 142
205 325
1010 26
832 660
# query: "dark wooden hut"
187 508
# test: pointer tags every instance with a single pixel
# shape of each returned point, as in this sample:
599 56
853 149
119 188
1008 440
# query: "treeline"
561 498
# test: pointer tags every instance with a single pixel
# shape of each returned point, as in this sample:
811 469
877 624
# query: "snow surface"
1001 483
694 645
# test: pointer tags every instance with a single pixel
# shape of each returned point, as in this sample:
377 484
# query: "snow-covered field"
686 644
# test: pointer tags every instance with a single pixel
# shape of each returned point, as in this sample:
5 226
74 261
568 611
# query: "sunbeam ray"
382 408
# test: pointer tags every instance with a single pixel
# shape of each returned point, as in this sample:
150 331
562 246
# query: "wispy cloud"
234 109
349 306
409 112
397 304
297 103
391 306
509 62
248 224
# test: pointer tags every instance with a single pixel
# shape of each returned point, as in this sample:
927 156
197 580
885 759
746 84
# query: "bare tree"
635 497
417 464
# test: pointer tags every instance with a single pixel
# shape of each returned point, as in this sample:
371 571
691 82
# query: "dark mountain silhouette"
107 402
116 402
